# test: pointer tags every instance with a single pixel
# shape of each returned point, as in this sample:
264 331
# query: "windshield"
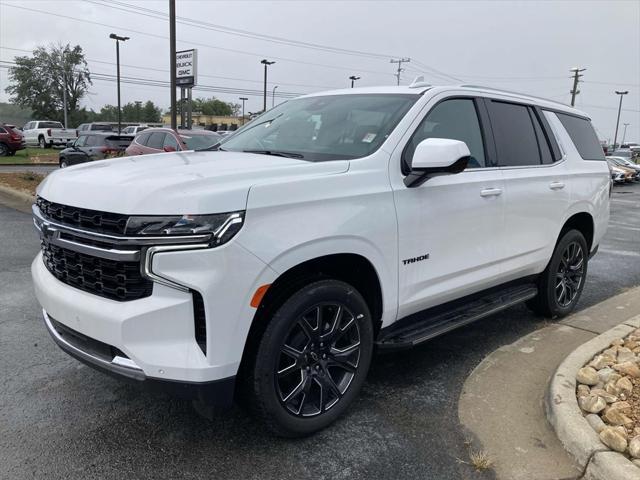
324 128
200 142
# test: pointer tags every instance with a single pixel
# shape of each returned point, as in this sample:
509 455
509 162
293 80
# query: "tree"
212 106
151 113
38 82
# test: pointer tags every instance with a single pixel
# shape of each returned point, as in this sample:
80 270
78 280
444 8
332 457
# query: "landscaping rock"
614 439
588 376
583 391
616 417
634 447
592 403
596 422
601 361
626 368
608 397
605 374
625 355
624 385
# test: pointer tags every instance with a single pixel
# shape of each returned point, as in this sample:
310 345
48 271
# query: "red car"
10 140
158 140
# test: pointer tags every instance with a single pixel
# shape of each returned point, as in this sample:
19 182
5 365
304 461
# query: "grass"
32 155
23 181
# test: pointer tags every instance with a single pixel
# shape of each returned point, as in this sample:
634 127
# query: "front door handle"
490 192
556 185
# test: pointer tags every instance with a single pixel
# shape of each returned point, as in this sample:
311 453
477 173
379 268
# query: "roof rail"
500 90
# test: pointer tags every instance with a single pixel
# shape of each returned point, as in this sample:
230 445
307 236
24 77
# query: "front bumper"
96 355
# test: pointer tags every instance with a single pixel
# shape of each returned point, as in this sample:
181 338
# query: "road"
60 419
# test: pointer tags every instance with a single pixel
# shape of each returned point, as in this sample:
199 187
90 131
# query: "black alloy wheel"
318 359
570 274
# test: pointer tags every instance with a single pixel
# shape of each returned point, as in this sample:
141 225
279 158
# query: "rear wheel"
312 359
4 150
42 142
561 283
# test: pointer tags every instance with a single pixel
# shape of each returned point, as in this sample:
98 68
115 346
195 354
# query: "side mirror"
437 156
168 148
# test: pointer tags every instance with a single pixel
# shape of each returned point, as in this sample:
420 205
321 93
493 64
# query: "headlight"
222 227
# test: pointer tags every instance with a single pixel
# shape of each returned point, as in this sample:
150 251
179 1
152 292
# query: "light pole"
244 99
266 63
273 96
118 40
624 135
615 137
353 78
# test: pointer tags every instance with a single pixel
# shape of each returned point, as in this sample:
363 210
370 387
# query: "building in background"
211 122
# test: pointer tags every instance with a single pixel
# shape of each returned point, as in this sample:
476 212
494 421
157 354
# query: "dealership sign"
186 68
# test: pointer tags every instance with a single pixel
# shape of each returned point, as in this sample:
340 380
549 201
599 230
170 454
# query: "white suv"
333 225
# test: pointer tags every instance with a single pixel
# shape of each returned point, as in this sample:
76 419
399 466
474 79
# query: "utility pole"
615 137
244 99
399 61
118 39
624 135
172 53
353 78
273 96
576 75
64 89
266 63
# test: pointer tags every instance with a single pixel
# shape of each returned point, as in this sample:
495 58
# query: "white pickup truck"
46 134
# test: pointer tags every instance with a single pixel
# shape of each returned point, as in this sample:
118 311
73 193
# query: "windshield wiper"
276 153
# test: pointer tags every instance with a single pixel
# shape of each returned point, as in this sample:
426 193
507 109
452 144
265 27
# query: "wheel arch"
352 268
584 223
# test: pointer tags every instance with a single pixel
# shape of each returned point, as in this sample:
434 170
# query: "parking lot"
61 419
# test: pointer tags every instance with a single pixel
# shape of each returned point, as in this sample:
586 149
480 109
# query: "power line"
162 37
234 31
399 61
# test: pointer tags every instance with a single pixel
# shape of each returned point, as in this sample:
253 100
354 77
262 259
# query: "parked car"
11 140
134 129
333 225
618 175
158 140
625 162
629 174
95 127
94 146
46 134
622 152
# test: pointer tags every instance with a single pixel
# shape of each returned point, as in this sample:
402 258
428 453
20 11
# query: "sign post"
187 75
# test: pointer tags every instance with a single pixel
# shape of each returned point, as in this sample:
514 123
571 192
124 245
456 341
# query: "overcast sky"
521 46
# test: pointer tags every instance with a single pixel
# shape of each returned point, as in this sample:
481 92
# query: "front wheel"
63 163
312 359
4 150
561 283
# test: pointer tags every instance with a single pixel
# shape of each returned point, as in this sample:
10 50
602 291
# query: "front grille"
96 221
108 278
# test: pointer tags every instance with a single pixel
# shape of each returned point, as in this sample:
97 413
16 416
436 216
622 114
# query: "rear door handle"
556 185
490 192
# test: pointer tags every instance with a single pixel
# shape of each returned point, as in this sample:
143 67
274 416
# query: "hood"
175 183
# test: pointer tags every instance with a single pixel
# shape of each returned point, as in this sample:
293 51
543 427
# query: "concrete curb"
565 416
16 199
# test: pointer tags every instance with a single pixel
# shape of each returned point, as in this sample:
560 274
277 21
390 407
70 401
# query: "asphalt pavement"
60 419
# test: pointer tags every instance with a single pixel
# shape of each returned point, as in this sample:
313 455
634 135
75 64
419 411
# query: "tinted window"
545 150
514 134
170 141
156 140
92 140
101 127
583 136
80 142
50 125
117 142
2 130
143 139
454 119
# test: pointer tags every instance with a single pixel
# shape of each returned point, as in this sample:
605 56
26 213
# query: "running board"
426 325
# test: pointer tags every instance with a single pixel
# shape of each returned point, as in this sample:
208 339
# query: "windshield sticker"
368 138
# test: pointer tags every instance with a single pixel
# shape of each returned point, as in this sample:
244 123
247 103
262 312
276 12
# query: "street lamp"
353 78
624 135
244 99
615 137
118 40
266 63
273 96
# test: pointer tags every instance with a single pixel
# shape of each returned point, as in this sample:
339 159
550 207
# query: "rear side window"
50 125
514 133
117 142
97 127
156 140
583 136
143 139
2 130
92 141
545 150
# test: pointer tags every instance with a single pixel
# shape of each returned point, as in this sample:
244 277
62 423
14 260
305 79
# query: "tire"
327 367
11 153
63 163
4 150
41 142
561 283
